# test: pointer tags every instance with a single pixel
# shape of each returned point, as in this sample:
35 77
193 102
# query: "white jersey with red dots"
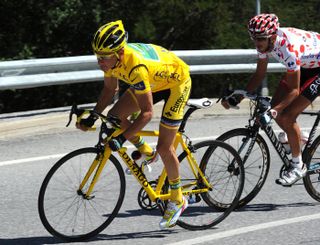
296 48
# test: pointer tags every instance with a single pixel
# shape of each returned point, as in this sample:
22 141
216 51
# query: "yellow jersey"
148 67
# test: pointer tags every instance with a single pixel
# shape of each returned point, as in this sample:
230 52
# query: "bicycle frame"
313 129
278 146
99 163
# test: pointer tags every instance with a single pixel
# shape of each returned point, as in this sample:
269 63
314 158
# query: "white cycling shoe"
292 175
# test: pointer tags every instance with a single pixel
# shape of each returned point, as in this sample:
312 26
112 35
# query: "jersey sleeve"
139 79
291 58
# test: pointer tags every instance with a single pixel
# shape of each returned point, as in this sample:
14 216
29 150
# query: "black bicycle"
255 154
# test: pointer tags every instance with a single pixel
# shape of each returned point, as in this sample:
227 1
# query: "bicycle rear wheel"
214 157
63 209
256 165
312 179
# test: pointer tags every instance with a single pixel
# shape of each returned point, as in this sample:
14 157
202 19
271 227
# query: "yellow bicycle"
83 192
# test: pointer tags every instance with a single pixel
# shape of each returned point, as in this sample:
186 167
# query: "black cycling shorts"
309 83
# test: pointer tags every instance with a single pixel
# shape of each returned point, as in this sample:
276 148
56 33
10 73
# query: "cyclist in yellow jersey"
153 74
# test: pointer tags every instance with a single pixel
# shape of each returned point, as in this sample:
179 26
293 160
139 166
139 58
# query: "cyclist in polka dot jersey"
299 51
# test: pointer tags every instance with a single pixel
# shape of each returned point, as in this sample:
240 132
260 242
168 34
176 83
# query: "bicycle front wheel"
256 161
312 179
64 210
214 158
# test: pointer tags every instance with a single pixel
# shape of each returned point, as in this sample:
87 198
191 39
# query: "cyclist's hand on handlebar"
230 101
116 143
86 123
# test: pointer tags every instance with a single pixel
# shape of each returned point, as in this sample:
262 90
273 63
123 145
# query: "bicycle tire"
256 166
312 181
202 213
59 198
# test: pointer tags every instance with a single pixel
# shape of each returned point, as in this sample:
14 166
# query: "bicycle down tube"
277 144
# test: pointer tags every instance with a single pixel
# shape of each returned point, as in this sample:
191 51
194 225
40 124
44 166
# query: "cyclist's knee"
286 120
164 150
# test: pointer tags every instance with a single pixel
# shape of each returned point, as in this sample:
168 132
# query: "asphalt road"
29 146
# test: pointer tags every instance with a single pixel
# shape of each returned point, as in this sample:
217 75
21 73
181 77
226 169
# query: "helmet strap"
270 44
118 60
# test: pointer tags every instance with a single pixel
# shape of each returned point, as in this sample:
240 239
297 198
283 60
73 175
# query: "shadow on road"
271 207
101 237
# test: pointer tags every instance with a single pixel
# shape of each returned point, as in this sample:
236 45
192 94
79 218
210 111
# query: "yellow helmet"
110 37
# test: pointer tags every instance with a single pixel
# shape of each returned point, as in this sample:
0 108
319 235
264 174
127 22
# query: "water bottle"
304 137
140 160
282 136
284 140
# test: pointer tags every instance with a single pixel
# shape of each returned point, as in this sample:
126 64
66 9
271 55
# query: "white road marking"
246 229
42 158
56 156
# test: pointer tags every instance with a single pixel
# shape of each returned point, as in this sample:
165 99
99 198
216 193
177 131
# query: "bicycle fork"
98 164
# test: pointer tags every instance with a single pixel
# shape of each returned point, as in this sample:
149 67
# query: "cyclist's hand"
116 143
87 123
231 102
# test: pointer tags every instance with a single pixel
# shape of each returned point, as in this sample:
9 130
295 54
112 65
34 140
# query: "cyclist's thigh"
310 86
309 91
126 105
298 105
173 108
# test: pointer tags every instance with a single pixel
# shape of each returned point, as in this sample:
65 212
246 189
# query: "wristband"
273 113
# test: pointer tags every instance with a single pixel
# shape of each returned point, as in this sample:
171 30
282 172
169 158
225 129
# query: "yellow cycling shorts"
175 99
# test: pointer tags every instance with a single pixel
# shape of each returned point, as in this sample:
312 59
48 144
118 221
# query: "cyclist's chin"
262 49
104 68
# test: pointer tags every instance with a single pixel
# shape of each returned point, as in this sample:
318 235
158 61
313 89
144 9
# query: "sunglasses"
104 56
259 39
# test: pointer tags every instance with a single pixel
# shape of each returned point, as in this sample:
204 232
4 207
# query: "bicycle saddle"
200 103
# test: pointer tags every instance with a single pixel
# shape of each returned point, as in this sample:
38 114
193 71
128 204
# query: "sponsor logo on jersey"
290 64
164 75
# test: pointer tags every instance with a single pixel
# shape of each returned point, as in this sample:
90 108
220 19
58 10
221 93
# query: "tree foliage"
59 28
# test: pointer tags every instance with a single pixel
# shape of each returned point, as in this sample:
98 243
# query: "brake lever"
76 111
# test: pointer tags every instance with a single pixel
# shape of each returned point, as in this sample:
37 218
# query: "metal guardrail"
57 71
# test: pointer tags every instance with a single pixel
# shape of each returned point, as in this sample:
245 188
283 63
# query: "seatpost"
185 118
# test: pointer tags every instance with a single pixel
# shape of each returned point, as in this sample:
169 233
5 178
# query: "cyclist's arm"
293 84
258 76
146 106
254 81
109 89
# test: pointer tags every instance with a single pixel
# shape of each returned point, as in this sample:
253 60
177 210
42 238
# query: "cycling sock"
141 145
176 193
297 161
